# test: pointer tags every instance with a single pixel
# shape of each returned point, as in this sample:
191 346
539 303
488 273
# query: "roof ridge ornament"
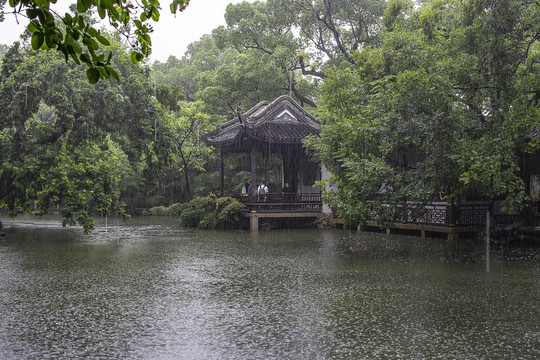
239 113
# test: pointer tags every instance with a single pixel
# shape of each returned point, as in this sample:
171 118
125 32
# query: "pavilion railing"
469 213
281 202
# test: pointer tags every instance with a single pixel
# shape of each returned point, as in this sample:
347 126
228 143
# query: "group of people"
247 189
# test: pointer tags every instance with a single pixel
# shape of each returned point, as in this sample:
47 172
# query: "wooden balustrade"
281 202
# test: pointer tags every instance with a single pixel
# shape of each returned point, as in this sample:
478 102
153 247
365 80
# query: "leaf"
113 73
33 13
86 59
42 3
92 32
48 17
33 26
103 40
37 40
49 40
93 75
68 19
155 14
101 11
83 5
136 57
90 43
104 73
75 58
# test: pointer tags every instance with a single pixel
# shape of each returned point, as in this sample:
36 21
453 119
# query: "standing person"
262 189
251 192
286 188
287 192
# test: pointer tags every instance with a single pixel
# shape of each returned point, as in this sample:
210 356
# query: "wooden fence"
281 202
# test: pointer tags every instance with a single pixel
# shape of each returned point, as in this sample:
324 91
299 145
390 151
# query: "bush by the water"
158 211
173 210
176 209
208 212
211 212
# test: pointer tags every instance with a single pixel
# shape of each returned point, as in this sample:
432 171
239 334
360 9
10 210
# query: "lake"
148 289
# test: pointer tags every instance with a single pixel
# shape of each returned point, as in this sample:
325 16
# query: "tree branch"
301 97
309 72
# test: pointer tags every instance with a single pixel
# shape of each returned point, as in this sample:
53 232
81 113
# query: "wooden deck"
281 206
255 217
452 232
281 203
438 219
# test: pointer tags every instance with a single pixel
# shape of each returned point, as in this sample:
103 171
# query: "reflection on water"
146 290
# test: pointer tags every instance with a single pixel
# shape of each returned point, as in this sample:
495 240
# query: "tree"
185 129
65 141
264 33
201 56
445 104
75 36
248 79
329 33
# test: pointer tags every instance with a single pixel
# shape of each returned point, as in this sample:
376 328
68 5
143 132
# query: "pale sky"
171 35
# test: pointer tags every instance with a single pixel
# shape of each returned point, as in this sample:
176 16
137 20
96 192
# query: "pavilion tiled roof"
280 121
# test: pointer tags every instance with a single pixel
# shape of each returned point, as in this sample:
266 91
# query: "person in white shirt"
260 190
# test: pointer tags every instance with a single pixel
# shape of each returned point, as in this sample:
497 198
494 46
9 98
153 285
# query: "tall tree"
66 141
185 130
303 36
265 31
248 79
201 56
443 105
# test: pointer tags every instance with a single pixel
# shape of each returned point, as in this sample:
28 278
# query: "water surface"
151 290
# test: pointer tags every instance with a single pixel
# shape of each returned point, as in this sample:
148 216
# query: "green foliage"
210 212
229 212
444 104
191 217
169 95
250 79
156 200
176 209
173 210
75 37
183 131
64 141
159 211
201 56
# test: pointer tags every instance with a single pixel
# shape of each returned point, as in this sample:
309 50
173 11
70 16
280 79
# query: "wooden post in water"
222 173
488 239
488 235
253 222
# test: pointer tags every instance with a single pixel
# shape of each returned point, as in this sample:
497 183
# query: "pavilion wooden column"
290 158
253 166
221 172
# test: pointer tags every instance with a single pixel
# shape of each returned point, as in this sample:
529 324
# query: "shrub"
177 209
206 202
229 216
191 217
158 211
210 212
208 221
